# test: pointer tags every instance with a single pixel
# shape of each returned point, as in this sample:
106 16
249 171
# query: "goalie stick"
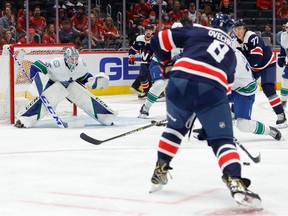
94 141
256 159
44 100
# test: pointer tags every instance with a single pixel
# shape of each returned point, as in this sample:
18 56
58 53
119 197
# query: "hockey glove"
166 67
101 80
131 59
281 61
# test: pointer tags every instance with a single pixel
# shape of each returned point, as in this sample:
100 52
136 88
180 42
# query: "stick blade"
89 139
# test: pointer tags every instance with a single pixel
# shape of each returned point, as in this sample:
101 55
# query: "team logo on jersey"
56 63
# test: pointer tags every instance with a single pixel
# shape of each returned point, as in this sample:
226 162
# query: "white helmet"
71 56
176 25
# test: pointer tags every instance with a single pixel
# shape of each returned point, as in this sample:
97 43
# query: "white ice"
49 171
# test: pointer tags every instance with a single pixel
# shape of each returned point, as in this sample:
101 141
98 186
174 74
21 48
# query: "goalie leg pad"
36 109
91 104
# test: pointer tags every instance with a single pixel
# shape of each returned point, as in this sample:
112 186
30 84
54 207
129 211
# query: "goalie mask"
71 56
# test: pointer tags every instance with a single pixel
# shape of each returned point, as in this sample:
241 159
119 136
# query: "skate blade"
155 187
248 201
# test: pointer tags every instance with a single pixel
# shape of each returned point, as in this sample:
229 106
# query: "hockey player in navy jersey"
198 83
282 63
142 47
263 63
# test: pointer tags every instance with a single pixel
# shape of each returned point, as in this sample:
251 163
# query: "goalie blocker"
75 92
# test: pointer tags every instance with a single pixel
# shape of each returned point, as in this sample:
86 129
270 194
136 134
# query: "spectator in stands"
166 22
151 18
95 43
7 21
49 36
142 10
21 25
193 13
62 17
185 18
2 41
98 19
66 33
130 12
77 39
8 37
79 22
7 4
283 10
155 7
133 32
226 7
38 22
206 16
170 6
71 7
176 13
267 32
61 4
278 35
264 4
111 34
96 32
32 34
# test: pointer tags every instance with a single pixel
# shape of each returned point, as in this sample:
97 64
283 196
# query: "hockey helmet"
71 56
223 22
149 26
239 22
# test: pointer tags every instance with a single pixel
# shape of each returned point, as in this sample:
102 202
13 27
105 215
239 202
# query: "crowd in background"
73 20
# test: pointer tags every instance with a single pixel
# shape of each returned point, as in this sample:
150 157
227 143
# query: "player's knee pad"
246 125
55 94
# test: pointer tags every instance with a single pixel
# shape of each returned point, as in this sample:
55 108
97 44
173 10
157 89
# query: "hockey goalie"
65 78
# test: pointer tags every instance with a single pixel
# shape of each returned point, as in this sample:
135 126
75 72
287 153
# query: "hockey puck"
246 163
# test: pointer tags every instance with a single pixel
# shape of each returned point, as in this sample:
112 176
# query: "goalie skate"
240 193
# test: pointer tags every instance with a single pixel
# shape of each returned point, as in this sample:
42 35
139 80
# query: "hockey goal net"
15 86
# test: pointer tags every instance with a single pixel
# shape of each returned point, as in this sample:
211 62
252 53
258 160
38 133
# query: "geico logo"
119 68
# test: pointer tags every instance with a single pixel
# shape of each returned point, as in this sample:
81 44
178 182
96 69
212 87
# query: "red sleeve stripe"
257 51
201 69
275 102
166 40
167 147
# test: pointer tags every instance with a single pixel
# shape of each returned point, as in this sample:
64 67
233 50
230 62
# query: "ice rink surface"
48 171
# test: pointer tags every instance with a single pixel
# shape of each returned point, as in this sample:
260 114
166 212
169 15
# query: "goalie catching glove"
100 80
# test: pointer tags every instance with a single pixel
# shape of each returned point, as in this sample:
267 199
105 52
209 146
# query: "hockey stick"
193 119
44 100
98 142
256 159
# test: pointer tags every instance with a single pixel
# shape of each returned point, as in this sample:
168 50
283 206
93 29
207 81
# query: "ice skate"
240 193
142 95
276 134
159 178
144 112
135 90
281 120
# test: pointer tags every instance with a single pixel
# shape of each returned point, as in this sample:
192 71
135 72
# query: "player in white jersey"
282 63
65 77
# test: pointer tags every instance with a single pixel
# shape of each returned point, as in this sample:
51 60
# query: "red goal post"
15 92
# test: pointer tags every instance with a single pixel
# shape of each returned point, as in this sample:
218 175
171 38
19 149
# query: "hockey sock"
157 88
274 99
145 85
284 90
